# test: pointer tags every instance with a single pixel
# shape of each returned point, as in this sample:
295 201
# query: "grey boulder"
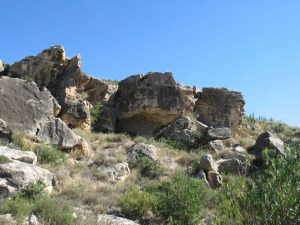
142 150
22 156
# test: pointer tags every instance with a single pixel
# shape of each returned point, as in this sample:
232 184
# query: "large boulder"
22 156
220 107
24 107
216 146
118 172
16 175
148 103
183 131
142 150
267 140
214 179
56 132
114 220
232 166
211 134
28 110
207 163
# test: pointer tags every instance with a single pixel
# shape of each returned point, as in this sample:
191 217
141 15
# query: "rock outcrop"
148 103
102 93
62 76
219 107
73 89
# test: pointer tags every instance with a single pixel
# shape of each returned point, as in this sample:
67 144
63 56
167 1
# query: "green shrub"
181 199
33 200
147 167
139 139
53 212
95 113
49 154
33 191
4 159
18 207
270 195
136 204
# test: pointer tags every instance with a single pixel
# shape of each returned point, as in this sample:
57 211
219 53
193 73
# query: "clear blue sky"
248 45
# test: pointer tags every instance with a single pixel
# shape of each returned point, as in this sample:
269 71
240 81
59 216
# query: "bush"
181 199
136 204
49 154
270 195
4 159
18 207
95 113
33 191
147 167
33 200
53 212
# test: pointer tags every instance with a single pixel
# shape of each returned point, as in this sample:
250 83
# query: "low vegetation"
157 193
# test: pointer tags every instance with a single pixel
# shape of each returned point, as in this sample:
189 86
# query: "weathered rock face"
183 131
66 89
56 132
62 77
23 106
148 103
188 95
142 150
220 107
267 140
43 69
70 86
29 110
103 93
